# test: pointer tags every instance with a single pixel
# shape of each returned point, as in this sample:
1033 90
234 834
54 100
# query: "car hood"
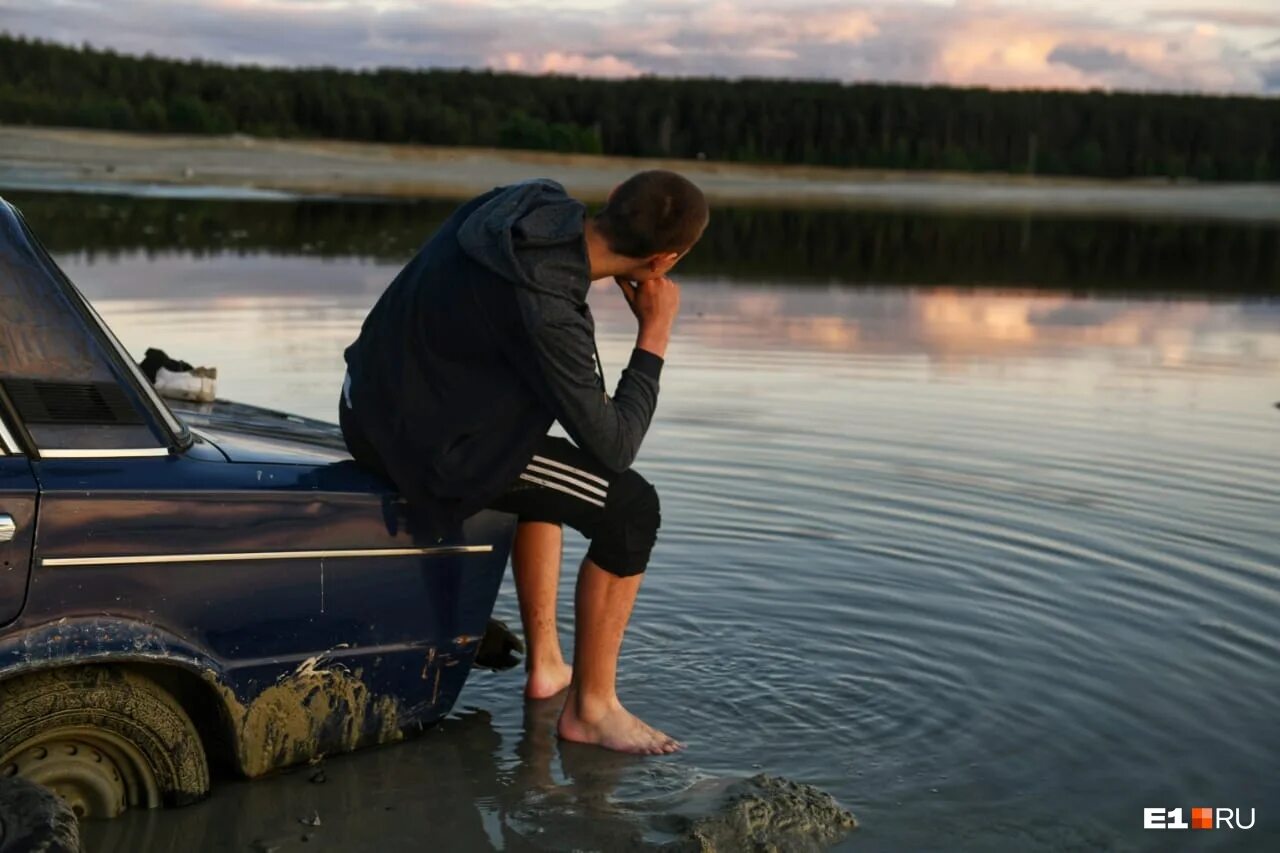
254 434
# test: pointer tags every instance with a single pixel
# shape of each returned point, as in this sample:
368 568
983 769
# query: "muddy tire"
102 738
35 820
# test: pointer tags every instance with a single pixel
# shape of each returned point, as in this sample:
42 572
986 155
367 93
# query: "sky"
1167 45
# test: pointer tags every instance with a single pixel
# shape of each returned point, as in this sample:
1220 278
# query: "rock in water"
766 814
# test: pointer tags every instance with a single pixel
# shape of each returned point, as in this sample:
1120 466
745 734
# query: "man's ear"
662 261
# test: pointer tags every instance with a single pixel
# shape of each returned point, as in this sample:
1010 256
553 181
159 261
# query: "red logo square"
1201 818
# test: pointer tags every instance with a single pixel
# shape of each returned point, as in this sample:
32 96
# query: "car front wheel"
102 738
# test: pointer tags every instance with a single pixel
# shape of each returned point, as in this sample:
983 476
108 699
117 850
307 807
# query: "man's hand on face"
655 303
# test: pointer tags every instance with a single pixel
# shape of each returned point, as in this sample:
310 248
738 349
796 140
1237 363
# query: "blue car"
218 586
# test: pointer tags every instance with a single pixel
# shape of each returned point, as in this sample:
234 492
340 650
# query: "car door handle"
7 527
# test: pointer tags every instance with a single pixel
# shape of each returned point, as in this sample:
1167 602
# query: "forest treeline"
819 246
1115 135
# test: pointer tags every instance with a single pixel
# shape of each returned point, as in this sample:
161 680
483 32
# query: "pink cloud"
845 26
1143 44
1227 17
557 62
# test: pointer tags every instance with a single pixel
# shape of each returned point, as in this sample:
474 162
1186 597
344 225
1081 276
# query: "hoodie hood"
531 234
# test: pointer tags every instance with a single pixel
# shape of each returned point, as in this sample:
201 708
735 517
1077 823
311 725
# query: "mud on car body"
212 586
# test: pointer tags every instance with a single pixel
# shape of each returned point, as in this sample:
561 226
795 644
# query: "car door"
17 525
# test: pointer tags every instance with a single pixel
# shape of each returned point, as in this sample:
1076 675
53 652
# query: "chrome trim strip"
7 444
53 562
103 453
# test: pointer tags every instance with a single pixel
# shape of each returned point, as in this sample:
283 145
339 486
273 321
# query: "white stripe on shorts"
560 487
565 478
587 474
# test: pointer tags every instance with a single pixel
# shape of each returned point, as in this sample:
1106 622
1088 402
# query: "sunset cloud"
1248 18
556 62
1146 44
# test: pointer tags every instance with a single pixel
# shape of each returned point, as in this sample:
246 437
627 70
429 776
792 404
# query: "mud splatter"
35 820
311 711
766 814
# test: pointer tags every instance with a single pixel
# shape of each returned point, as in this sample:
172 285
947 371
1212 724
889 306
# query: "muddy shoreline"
62 158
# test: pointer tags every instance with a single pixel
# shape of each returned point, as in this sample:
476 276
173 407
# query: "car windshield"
49 333
176 426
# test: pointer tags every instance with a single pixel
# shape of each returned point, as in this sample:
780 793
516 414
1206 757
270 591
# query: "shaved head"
653 213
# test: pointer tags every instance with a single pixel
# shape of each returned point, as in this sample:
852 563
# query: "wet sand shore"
62 158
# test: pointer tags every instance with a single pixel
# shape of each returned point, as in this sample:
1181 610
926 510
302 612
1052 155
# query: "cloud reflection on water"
298 313
948 324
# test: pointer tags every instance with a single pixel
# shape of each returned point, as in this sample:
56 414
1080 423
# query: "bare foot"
547 680
613 728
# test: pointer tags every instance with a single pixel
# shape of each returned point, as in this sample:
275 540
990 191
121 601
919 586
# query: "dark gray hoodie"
531 234
480 342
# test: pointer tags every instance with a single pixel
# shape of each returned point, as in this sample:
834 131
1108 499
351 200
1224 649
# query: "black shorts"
563 484
618 512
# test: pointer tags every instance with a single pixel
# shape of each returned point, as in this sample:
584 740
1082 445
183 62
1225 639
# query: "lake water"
970 522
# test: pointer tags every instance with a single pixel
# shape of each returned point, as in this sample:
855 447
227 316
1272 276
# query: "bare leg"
535 561
592 712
